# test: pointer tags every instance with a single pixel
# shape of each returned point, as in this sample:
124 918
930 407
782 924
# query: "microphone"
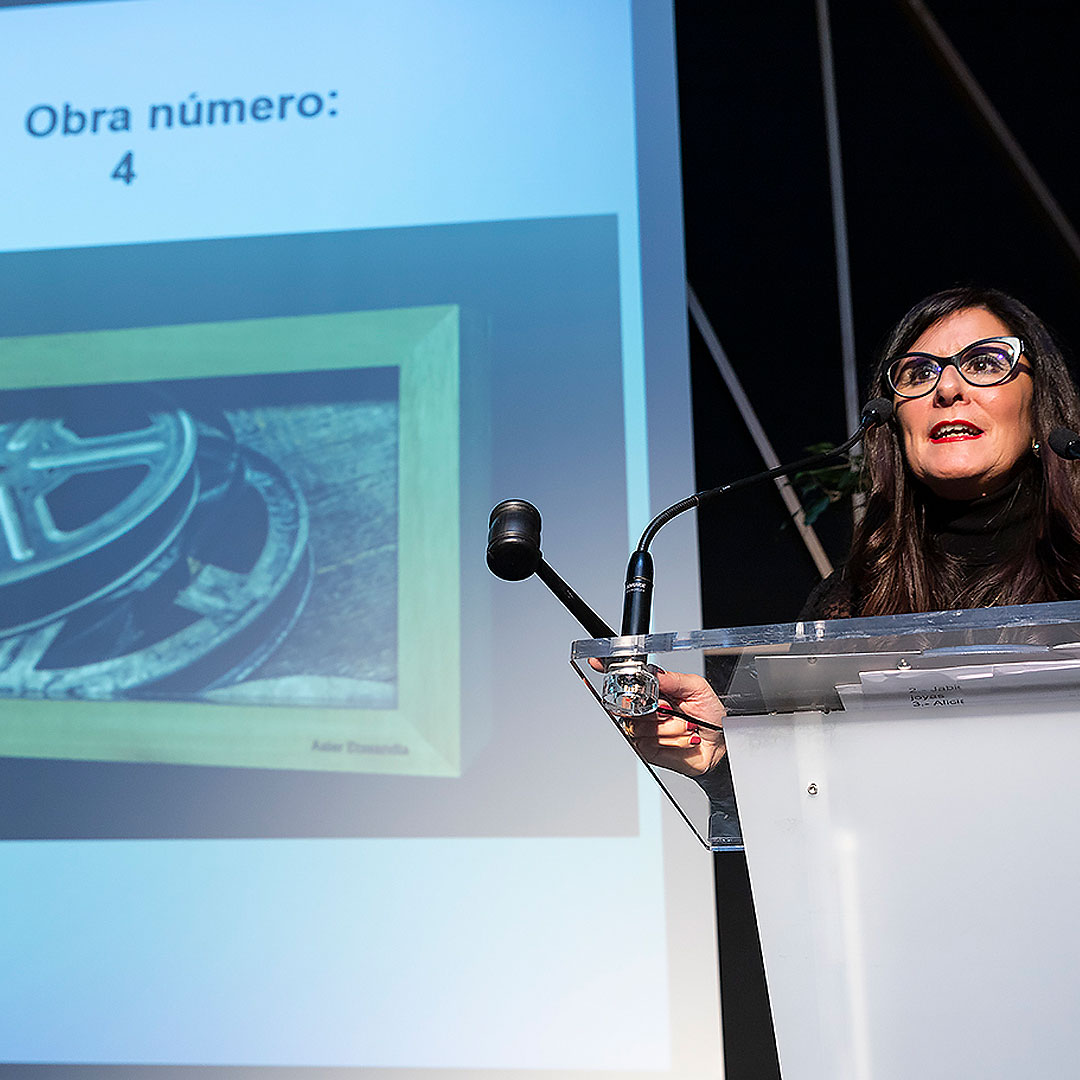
1065 443
637 596
513 554
629 693
874 413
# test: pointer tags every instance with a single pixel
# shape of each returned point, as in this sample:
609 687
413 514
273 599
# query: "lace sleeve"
832 598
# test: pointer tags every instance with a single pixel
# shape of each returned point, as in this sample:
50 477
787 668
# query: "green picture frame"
421 735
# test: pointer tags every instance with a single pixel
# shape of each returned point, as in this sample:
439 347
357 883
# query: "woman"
964 507
973 515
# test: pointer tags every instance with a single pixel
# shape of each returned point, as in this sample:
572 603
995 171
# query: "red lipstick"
954 431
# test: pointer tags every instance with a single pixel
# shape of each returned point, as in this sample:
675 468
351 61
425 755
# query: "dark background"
931 201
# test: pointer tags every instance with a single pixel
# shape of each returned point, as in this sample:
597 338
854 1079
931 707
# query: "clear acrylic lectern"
909 797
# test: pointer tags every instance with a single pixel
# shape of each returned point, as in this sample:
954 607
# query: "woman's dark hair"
895 565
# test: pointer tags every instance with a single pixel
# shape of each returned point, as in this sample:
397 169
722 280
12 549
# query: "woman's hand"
674 743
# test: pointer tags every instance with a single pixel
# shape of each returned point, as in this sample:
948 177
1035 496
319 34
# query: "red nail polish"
691 727
695 739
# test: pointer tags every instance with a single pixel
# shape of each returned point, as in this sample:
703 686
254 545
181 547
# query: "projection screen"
292 295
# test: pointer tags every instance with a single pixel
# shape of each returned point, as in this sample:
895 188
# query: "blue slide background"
542 911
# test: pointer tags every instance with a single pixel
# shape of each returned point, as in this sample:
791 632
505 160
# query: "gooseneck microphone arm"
876 412
637 601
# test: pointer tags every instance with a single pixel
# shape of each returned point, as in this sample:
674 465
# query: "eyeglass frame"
944 361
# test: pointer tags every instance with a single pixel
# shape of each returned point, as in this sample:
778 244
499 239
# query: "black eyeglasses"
986 362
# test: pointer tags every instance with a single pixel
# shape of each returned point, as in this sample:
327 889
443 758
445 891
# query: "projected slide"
290 296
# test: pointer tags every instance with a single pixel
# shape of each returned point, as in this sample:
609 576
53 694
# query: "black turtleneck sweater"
978 532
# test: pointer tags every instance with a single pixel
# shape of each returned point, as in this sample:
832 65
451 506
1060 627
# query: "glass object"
630 688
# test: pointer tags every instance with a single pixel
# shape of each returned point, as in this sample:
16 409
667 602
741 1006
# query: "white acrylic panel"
916 886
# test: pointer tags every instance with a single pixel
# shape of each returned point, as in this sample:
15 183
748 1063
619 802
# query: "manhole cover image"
146 551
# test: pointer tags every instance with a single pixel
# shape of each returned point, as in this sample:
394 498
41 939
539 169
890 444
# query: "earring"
1036 446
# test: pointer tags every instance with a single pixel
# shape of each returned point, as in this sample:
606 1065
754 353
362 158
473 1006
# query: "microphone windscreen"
877 411
513 549
1064 443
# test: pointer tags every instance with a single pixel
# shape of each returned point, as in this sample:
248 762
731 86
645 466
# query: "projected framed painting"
238 550
371 387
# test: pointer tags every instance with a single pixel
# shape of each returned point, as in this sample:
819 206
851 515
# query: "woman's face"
963 441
